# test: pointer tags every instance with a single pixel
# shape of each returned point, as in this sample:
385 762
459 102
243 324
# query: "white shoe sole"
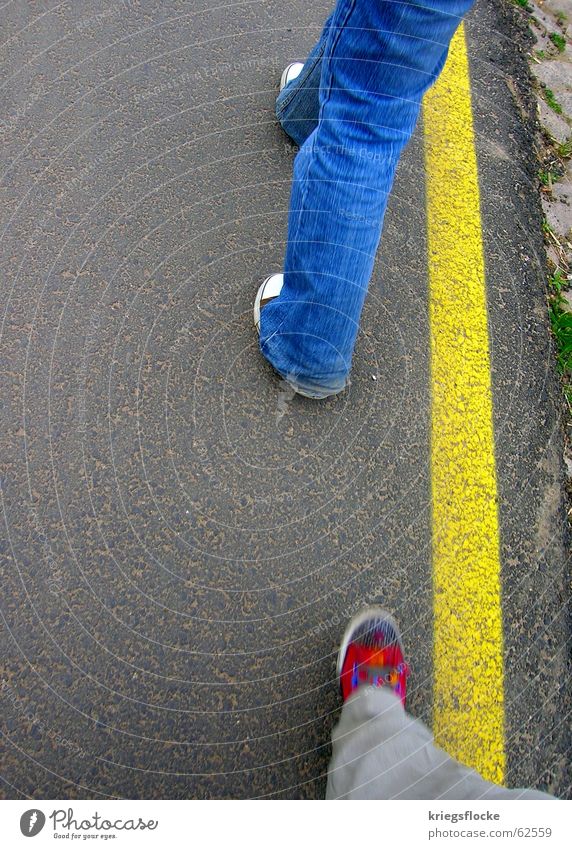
360 619
270 288
293 70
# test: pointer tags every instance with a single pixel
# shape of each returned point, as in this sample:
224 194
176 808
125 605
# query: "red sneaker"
372 653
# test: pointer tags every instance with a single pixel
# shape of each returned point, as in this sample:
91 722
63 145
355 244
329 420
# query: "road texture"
183 540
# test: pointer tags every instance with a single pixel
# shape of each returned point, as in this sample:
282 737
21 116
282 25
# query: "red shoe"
372 653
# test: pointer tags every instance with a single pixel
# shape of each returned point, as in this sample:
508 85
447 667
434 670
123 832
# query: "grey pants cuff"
380 752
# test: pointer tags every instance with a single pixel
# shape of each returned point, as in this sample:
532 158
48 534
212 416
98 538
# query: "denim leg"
298 105
379 58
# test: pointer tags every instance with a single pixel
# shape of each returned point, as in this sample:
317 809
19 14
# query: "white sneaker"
269 290
290 73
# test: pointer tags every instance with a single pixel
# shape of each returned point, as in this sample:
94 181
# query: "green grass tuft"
548 178
552 102
557 283
558 41
564 150
561 321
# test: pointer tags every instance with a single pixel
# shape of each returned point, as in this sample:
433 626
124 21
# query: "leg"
298 105
379 57
380 752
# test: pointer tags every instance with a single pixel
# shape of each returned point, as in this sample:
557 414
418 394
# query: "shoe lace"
377 675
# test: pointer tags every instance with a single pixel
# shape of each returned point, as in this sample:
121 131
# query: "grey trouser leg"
381 752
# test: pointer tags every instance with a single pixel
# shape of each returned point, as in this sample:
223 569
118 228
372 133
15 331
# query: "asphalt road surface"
183 541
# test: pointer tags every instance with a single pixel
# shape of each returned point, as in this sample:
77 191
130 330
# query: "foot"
269 290
290 73
372 653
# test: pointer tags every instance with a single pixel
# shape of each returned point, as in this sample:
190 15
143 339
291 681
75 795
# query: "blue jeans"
352 110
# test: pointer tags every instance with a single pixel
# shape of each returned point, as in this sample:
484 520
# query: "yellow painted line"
468 708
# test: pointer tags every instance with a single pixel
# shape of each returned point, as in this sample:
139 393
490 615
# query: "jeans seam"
309 155
327 89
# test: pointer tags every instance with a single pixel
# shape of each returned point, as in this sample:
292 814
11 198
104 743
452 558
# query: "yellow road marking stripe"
468 703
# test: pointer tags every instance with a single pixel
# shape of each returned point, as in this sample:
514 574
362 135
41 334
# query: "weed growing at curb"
551 100
554 158
564 150
548 177
557 284
558 41
561 321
